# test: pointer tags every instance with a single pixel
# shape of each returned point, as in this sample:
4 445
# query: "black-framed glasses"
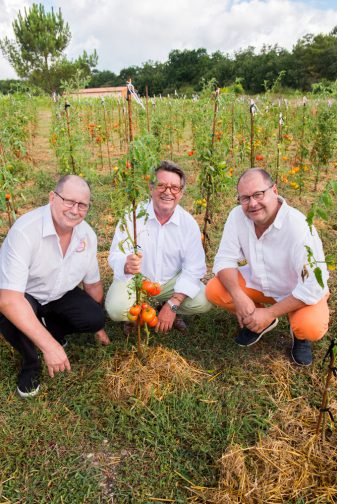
174 189
83 207
257 196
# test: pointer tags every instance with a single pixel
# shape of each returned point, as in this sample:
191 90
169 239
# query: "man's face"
262 212
65 219
164 201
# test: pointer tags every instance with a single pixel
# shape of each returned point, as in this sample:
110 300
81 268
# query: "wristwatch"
173 306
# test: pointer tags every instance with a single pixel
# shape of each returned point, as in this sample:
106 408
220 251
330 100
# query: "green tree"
36 53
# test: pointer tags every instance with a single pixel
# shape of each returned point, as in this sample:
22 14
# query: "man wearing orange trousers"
272 238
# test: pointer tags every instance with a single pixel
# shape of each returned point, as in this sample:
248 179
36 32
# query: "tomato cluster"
145 313
150 288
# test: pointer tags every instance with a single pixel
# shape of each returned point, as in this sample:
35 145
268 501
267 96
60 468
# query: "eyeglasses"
257 196
174 189
83 207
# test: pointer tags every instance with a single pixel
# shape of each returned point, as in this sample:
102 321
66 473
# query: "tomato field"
237 425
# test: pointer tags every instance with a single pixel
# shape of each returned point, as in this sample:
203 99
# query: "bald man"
47 253
271 237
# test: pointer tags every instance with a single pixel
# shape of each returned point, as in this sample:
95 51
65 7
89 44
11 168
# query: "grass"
74 444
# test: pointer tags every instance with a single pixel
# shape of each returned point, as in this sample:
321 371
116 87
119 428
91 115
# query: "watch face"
173 307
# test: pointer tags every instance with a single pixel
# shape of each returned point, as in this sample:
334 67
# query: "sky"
131 32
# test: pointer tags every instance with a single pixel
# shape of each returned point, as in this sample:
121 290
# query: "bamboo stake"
106 135
147 108
134 213
207 216
66 106
252 110
331 371
279 140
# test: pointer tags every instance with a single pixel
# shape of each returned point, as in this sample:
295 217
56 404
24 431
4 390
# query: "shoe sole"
33 393
265 331
291 353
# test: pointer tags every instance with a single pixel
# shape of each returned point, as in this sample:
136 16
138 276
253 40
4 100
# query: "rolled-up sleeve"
92 274
229 252
15 254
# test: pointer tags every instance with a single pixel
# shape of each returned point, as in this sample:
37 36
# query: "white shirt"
31 259
276 259
167 249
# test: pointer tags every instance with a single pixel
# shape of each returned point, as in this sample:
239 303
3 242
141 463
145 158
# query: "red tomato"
154 290
259 157
146 286
135 309
148 314
145 305
153 322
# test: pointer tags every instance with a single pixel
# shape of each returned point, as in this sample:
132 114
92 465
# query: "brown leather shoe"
179 324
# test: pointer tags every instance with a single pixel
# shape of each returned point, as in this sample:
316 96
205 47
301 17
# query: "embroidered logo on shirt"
82 245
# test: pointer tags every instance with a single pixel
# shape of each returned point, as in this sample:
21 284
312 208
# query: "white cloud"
130 33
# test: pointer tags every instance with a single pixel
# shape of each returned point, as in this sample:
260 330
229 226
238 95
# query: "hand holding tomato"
133 263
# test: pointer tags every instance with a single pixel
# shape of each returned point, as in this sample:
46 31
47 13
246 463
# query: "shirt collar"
175 217
48 227
281 214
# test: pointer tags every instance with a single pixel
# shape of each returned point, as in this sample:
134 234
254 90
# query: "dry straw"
159 372
289 464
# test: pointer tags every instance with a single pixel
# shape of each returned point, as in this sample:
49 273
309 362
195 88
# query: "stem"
66 106
209 177
251 137
325 397
147 108
107 137
134 217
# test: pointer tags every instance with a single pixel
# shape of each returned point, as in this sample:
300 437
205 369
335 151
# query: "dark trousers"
75 312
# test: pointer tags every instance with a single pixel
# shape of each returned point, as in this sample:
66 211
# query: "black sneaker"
246 337
28 383
301 351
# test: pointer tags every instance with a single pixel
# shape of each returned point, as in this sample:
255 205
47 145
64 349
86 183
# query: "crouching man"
272 237
46 254
170 253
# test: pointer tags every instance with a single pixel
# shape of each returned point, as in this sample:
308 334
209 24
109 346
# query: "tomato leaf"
318 276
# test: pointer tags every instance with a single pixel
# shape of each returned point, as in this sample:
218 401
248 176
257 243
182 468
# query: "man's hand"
56 359
259 320
166 317
133 264
244 307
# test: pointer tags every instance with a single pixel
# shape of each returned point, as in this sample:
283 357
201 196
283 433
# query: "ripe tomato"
154 290
131 317
259 157
146 285
148 314
145 305
135 309
153 322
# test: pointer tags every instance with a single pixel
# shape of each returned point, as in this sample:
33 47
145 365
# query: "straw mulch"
160 371
290 464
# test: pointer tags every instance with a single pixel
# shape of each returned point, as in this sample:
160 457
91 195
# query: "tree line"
37 55
313 59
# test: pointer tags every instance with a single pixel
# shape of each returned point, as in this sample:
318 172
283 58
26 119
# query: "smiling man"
170 253
46 254
271 237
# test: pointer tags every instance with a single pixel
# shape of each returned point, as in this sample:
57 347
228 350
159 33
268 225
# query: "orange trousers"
308 323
